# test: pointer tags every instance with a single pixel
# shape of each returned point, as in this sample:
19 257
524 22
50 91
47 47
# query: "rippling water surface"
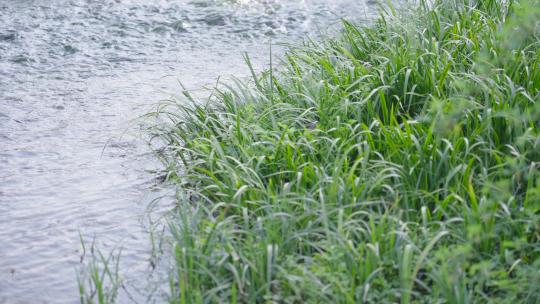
73 74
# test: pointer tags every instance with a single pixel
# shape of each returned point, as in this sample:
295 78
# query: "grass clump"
98 277
398 162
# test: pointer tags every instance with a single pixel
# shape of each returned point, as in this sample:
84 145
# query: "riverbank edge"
396 162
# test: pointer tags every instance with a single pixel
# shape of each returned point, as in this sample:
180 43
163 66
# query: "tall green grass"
397 162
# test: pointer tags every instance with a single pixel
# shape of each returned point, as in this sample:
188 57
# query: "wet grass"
397 162
98 277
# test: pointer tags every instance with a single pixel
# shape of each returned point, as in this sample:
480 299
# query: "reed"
396 162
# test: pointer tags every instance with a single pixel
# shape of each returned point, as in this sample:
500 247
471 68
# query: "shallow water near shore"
73 76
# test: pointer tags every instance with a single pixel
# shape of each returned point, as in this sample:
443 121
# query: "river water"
73 76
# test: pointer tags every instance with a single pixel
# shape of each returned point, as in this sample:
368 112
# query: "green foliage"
395 163
98 277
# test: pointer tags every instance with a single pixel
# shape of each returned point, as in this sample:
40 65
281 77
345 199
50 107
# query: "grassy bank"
397 162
